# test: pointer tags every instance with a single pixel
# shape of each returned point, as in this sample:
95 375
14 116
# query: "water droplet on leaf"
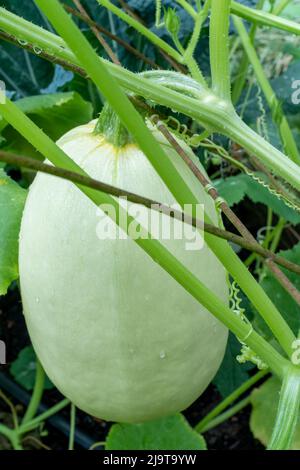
22 42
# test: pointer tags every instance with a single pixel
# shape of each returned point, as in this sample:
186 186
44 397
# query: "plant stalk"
164 166
202 425
208 111
264 18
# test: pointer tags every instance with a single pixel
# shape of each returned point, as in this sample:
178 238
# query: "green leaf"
24 73
231 373
235 188
23 369
171 433
289 309
264 407
282 85
56 114
12 200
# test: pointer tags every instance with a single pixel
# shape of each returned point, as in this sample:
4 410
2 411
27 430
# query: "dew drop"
162 354
37 300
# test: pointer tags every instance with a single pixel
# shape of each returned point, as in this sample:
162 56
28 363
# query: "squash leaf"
171 433
12 200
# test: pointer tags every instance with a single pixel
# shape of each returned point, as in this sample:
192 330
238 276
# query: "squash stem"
219 48
110 126
37 393
288 411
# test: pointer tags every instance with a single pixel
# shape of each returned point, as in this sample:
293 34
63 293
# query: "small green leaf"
171 433
288 308
12 200
264 408
23 369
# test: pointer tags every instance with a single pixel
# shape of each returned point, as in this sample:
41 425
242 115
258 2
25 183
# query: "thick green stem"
37 393
188 8
288 411
110 126
281 6
219 48
160 161
155 250
285 132
230 399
